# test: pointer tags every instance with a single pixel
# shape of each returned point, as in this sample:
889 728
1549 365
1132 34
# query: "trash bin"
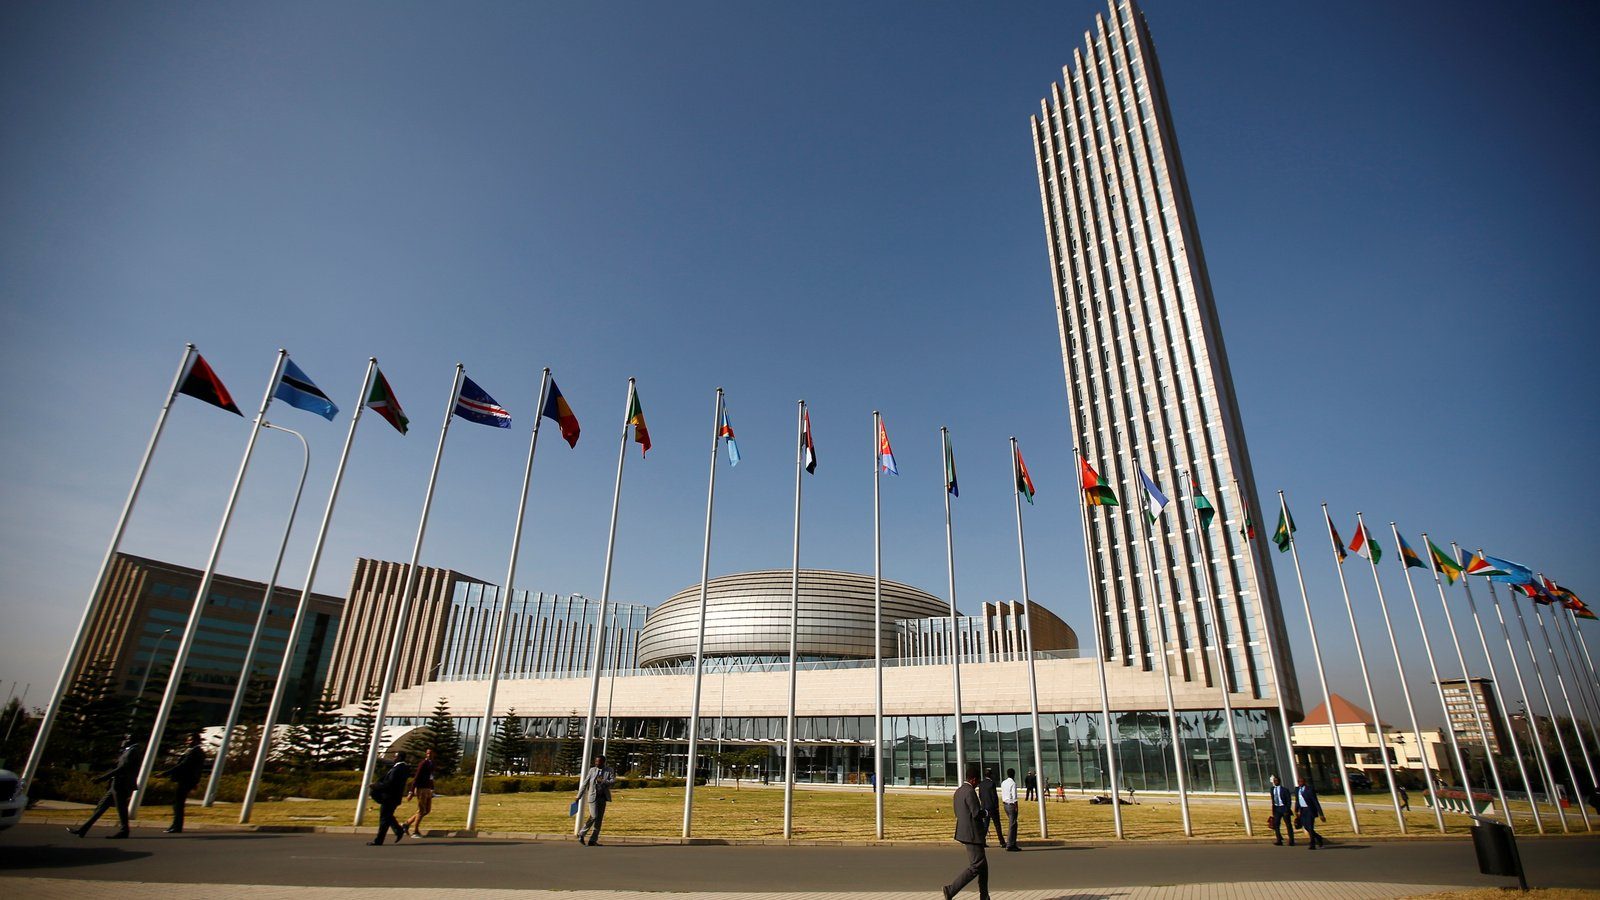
1496 854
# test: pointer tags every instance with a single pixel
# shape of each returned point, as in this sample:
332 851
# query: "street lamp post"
145 681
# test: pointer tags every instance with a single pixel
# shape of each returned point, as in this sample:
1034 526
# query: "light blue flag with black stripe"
298 390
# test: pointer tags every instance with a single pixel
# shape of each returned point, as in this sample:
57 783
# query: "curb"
659 841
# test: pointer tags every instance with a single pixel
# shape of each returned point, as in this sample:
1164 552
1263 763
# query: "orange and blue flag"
1409 556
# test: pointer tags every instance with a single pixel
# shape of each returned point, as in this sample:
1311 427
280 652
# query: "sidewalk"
66 889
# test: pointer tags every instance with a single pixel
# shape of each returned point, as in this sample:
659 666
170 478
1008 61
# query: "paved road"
343 860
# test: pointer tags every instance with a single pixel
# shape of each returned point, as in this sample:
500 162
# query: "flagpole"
261 623
497 645
1538 677
600 614
1466 682
1577 730
1505 711
1027 608
1584 643
700 633
955 622
1101 640
1146 547
1585 698
794 625
1215 609
1400 668
877 630
1366 679
1542 758
403 605
174 681
1322 675
80 637
1444 707
264 746
1279 675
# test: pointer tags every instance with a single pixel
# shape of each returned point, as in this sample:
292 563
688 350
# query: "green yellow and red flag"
1095 491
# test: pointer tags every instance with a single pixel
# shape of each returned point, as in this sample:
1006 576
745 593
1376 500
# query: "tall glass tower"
1147 376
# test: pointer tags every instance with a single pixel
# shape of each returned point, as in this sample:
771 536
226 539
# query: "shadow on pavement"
48 857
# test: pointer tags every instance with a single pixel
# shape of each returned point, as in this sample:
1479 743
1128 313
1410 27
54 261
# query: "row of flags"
1503 571
1520 577
475 404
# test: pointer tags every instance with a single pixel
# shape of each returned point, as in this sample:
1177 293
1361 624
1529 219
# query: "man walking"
389 791
989 799
972 827
1031 784
1281 803
1309 810
1008 799
422 789
121 781
597 781
185 775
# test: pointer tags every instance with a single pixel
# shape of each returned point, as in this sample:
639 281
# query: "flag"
885 452
1024 480
806 445
1095 491
201 383
381 401
641 431
475 405
1338 542
1444 564
1364 546
1202 506
555 407
725 430
1568 598
950 468
1536 592
1158 500
1409 556
1510 572
1282 537
1478 565
296 389
1247 531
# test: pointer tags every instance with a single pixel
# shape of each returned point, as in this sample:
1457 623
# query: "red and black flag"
201 383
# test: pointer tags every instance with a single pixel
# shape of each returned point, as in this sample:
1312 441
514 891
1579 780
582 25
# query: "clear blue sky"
822 200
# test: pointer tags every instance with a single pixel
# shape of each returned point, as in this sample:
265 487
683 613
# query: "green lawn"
757 813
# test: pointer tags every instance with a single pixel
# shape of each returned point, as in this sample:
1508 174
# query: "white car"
12 800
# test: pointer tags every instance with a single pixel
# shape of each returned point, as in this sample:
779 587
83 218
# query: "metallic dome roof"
747 614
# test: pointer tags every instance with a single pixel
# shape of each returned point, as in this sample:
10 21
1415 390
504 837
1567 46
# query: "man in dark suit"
121 781
389 791
185 775
1308 811
972 828
1031 784
1282 804
989 799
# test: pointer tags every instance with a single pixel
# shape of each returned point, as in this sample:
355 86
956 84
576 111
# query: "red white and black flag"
200 382
807 446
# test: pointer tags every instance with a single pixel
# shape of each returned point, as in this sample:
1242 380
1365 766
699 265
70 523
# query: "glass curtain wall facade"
1147 375
921 749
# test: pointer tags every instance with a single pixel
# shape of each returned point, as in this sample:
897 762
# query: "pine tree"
508 751
571 746
358 734
318 740
444 739
94 717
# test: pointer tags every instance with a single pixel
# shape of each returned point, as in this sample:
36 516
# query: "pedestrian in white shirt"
1008 799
